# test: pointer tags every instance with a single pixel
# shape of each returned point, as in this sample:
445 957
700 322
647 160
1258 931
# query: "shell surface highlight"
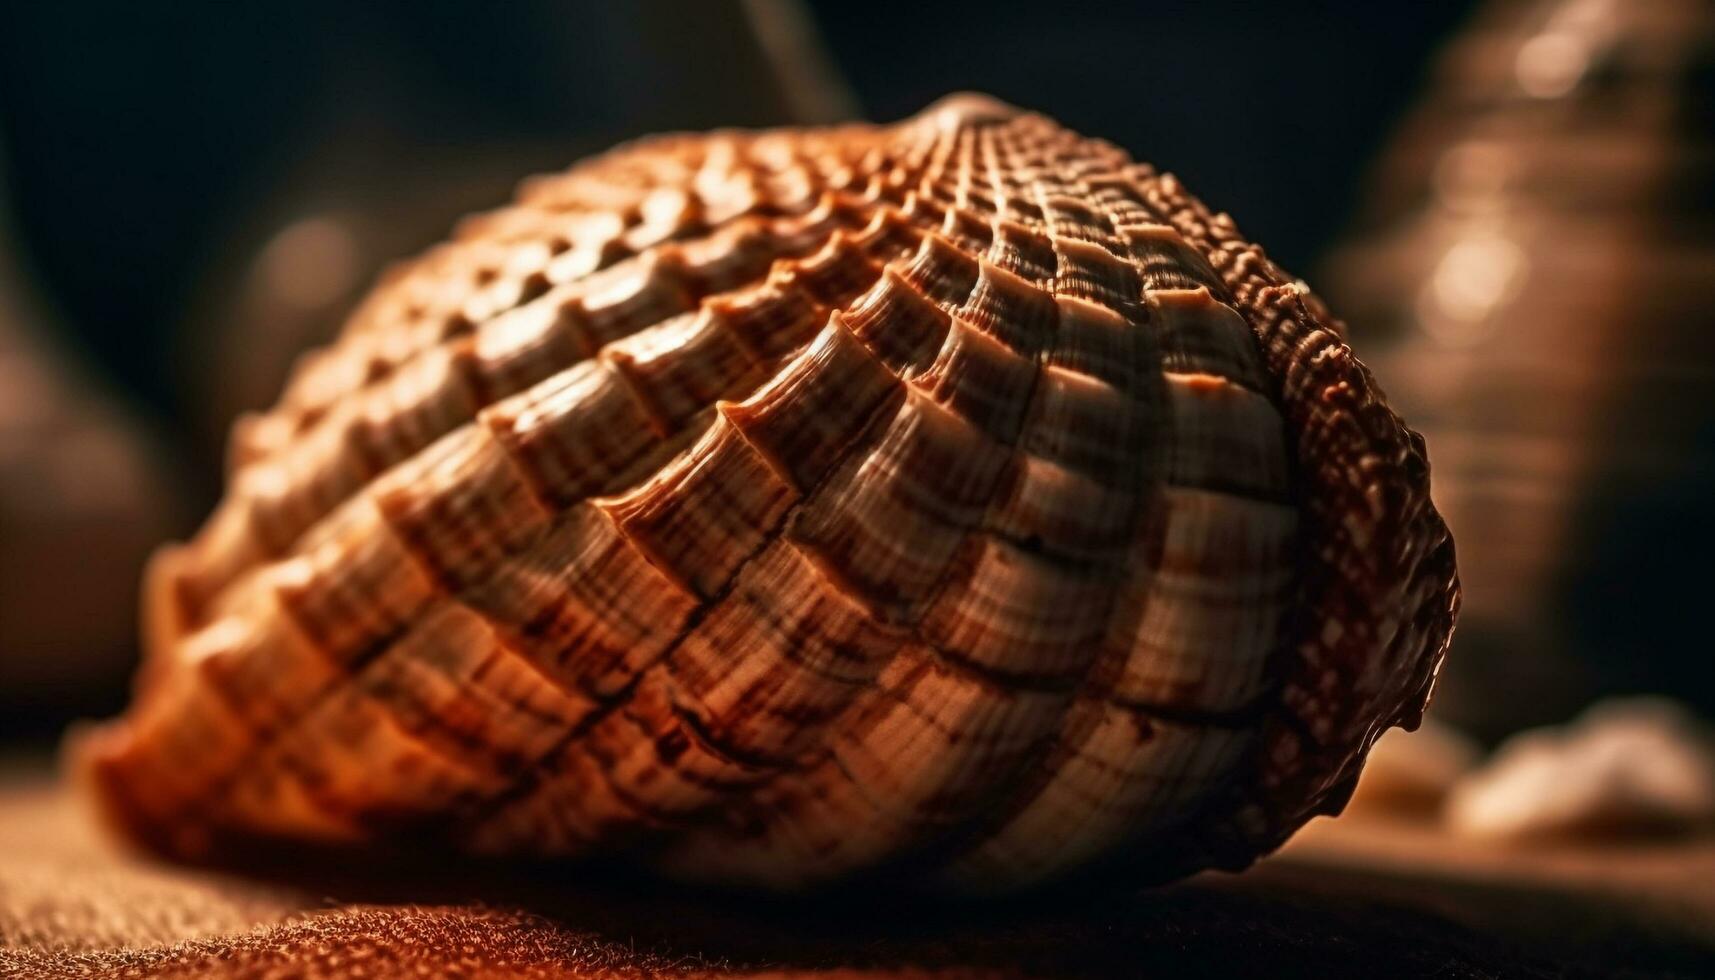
956 500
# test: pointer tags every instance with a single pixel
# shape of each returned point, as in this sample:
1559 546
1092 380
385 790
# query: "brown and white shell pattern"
956 500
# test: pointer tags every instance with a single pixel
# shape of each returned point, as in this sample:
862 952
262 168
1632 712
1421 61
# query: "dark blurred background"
152 147
194 192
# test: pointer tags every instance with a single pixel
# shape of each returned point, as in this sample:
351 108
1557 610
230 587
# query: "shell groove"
956 499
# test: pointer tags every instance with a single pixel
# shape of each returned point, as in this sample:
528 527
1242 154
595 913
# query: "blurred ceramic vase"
1534 277
82 502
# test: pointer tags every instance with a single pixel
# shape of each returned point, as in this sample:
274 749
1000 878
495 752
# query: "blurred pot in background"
84 497
1534 278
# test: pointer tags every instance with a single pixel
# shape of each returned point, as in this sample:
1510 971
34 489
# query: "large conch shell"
955 500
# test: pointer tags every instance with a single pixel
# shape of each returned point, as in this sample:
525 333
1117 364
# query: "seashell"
955 501
1635 767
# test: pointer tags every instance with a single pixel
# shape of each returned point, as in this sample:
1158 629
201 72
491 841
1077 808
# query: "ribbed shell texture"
955 501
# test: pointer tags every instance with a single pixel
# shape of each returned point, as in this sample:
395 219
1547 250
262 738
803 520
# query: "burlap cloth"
1349 899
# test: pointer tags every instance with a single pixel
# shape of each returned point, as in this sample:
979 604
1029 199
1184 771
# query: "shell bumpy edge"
957 500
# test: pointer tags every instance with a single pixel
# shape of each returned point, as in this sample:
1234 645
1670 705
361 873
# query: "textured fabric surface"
1348 901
